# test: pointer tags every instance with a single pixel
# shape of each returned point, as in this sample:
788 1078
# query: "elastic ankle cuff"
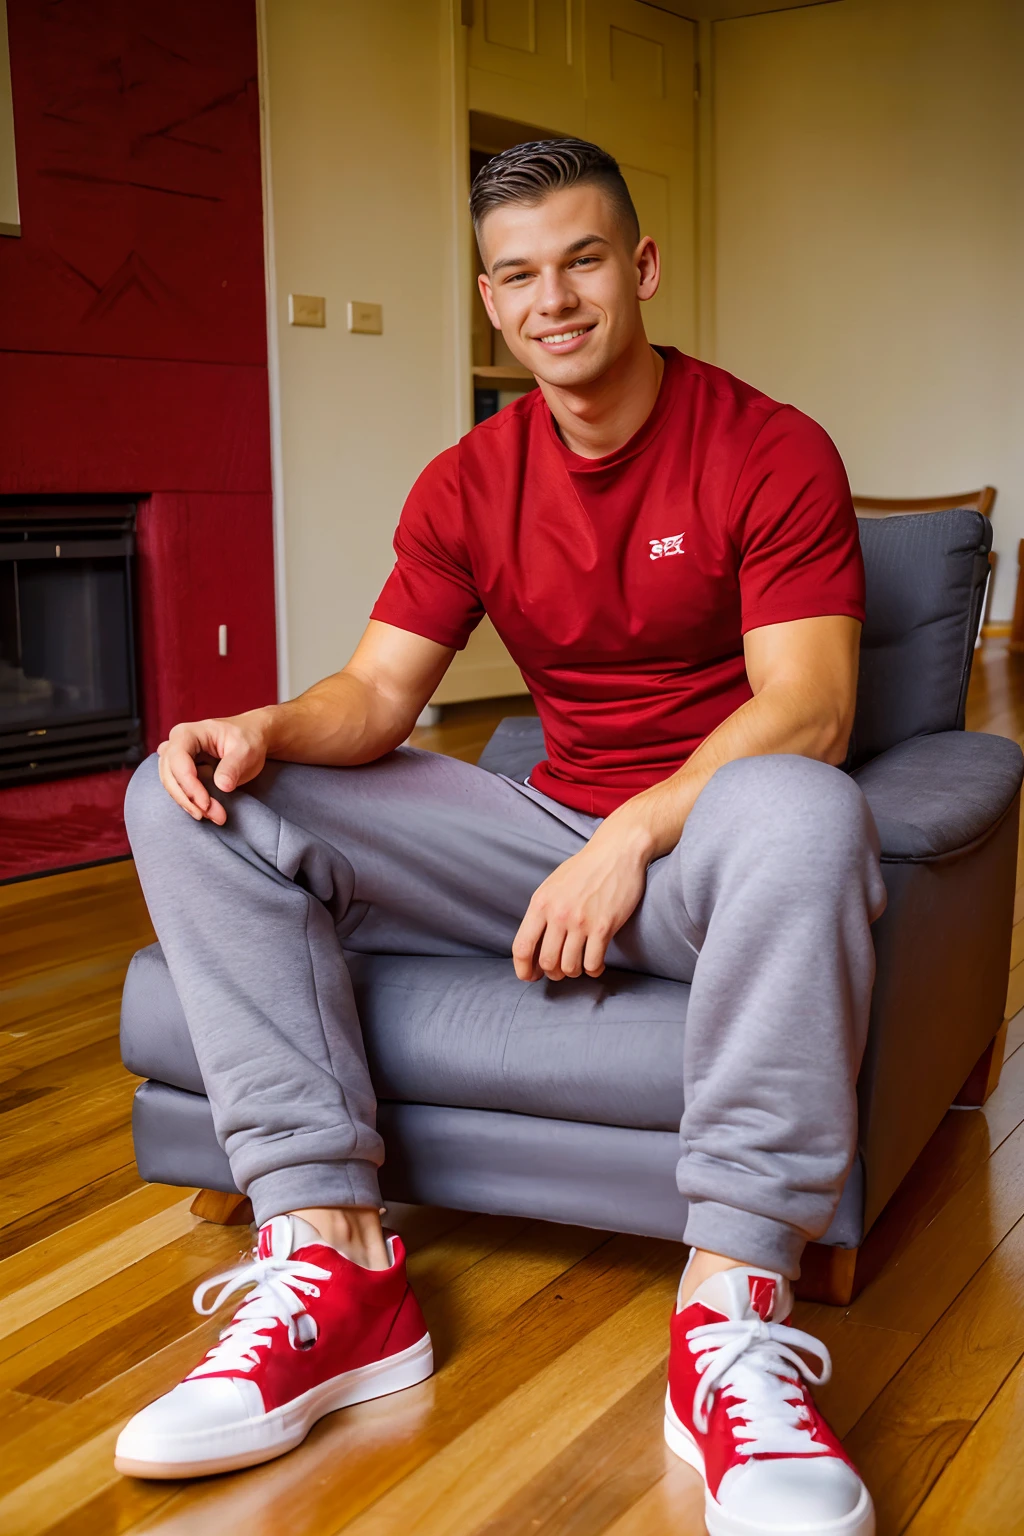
308 1186
735 1234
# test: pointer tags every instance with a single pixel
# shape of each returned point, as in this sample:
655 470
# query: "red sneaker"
317 1333
738 1411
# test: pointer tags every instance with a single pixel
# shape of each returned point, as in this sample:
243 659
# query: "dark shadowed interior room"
511 725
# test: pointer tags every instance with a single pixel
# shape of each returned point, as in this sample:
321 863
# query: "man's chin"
573 371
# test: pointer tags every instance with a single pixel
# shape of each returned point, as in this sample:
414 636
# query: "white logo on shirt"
672 545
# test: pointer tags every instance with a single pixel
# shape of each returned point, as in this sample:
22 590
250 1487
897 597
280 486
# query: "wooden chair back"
887 506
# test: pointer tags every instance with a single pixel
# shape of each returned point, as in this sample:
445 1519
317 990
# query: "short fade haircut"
528 173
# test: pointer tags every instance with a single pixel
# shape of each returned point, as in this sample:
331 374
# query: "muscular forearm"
783 717
339 722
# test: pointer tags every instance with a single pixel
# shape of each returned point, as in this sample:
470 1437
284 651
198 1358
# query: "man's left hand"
576 912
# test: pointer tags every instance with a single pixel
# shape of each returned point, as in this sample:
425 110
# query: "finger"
176 792
524 946
594 953
230 771
550 955
572 952
180 767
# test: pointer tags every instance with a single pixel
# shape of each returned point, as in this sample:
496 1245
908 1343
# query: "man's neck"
598 418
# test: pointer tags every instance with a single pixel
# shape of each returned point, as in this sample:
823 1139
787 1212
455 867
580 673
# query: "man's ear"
484 284
648 266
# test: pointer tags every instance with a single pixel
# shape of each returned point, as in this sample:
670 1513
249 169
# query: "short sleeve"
431 590
794 527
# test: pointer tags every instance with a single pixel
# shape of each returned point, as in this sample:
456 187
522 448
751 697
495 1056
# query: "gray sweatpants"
765 906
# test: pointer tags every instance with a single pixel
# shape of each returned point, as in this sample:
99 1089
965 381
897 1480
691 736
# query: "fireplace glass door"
67 653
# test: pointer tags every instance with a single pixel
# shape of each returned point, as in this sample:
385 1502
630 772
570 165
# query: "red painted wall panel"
137 130
216 555
111 424
133 351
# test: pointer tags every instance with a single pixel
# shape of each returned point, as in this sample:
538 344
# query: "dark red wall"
133 351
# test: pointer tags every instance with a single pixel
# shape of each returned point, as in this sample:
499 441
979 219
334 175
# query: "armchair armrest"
933 795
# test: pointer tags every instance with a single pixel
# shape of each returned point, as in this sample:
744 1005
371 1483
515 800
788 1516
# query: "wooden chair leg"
226 1210
837 1276
984 1075
829 1275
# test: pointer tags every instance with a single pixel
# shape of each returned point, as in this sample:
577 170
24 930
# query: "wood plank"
911 1294
980 1489
77 1239
82 1200
1017 944
467 1481
673 1506
96 1263
56 1168
1015 991
920 1420
31 1508
1015 1033
20 896
600 1473
113 1302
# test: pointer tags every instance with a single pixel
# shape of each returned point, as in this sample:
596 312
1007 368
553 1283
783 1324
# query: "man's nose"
556 294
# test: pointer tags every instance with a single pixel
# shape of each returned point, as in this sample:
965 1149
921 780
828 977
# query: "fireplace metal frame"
62 529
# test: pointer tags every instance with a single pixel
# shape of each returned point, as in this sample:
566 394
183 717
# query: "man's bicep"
820 652
402 666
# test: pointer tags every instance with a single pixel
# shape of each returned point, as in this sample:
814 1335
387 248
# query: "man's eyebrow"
570 250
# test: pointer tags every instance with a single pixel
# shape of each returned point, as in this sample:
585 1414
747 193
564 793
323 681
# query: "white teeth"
565 336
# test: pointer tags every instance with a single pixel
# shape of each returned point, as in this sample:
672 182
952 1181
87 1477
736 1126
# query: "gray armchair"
559 1101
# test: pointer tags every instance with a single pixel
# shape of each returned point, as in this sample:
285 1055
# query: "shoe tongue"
282 1236
745 1294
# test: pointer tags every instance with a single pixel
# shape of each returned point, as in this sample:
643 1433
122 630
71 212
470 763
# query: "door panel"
527 39
640 76
526 61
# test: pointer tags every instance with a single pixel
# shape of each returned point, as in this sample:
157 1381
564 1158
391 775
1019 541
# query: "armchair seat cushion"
467 1032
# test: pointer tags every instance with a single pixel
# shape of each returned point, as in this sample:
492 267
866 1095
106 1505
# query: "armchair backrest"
926 575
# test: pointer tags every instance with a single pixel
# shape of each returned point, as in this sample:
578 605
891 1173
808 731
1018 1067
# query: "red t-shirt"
623 586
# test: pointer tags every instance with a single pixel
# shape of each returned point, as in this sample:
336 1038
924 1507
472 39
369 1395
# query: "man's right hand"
237 744
354 716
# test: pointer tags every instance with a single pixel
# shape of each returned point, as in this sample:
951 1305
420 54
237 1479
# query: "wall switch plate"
306 309
367 318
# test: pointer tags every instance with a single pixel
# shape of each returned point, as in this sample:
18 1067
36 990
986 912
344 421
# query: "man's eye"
581 259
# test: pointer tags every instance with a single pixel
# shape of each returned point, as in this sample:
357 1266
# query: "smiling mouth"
563 336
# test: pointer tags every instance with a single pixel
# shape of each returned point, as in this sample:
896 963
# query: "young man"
672 559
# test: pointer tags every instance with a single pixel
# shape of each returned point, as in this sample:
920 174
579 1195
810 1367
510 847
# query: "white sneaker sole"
859 1522
250 1441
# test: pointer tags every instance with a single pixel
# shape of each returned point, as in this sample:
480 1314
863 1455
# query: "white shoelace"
273 1301
757 1363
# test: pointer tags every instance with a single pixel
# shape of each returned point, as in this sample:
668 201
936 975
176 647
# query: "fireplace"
68 692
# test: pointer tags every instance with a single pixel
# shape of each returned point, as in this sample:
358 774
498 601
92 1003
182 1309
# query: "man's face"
564 283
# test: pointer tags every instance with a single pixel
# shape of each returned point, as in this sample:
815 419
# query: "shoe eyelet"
304 1325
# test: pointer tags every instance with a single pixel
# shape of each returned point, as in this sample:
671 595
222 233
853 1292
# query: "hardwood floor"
544 1415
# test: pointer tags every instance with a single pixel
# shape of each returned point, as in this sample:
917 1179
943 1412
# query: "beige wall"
361 159
869 237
